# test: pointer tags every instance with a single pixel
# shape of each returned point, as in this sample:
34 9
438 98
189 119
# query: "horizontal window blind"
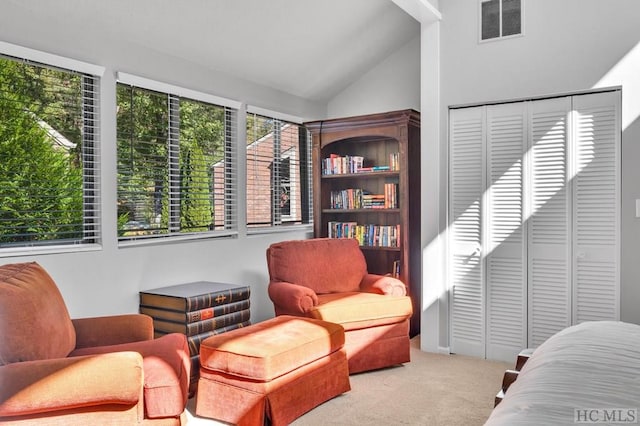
49 156
176 172
278 172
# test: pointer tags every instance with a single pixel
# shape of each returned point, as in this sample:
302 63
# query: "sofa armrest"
112 330
33 387
292 298
383 284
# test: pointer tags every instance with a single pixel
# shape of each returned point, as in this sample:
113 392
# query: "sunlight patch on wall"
626 73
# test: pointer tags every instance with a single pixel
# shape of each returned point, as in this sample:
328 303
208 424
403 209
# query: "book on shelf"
338 165
350 198
194 296
199 327
368 235
342 229
356 198
391 195
193 316
374 169
395 273
394 161
373 201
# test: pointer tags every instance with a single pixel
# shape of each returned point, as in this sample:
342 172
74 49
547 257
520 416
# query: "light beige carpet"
432 389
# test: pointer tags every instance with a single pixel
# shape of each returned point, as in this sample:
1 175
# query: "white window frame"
293 177
500 37
251 109
97 72
182 92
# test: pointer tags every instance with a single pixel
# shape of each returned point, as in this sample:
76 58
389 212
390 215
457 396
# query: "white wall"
108 281
568 46
393 84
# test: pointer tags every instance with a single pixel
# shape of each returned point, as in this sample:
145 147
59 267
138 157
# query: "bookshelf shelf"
361 175
387 147
374 248
352 211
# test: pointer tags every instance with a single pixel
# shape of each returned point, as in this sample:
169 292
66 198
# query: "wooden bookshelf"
365 153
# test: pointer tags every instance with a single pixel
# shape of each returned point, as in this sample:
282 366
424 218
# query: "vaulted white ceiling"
308 48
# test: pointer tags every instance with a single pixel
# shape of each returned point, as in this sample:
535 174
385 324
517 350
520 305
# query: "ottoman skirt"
294 371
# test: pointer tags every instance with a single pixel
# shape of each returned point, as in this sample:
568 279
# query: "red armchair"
327 279
106 370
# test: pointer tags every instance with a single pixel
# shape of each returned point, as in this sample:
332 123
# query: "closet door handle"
581 255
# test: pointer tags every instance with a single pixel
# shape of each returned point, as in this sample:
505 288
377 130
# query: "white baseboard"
444 350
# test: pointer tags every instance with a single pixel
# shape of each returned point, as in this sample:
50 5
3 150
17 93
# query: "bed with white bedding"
588 373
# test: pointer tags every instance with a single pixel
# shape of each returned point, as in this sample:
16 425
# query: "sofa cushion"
34 321
326 265
166 372
272 348
362 310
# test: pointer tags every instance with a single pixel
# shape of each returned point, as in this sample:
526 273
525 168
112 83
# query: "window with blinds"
278 172
176 172
49 164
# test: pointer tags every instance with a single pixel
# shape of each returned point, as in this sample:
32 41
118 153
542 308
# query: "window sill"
279 229
175 239
54 249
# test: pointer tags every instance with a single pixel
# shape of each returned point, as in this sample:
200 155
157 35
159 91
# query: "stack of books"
356 198
198 310
350 198
373 201
390 195
394 161
340 165
368 235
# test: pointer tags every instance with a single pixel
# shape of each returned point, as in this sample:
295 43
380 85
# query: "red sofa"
327 279
101 371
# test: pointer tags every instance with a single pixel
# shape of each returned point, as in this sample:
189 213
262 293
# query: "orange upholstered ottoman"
277 369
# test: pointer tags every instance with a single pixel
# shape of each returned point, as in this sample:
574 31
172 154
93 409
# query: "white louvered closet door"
505 239
534 212
549 219
596 200
466 275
